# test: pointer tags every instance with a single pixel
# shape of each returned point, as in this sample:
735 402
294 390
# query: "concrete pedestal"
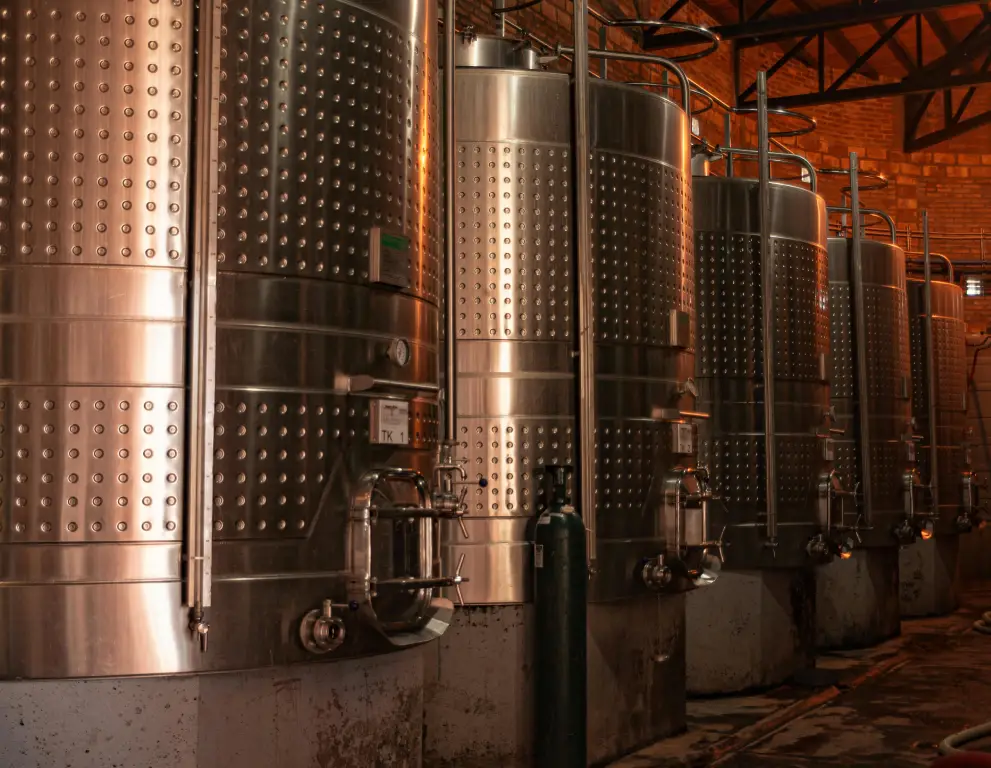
479 683
636 674
478 697
750 629
928 576
857 602
352 714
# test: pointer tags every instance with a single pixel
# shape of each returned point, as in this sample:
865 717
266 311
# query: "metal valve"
655 574
200 628
321 631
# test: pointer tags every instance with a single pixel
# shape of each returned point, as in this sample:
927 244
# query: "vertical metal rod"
728 142
450 296
203 323
603 44
860 331
586 288
930 369
767 307
501 16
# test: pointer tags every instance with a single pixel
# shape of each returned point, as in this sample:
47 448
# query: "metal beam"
880 91
856 66
897 49
751 33
915 143
790 54
841 44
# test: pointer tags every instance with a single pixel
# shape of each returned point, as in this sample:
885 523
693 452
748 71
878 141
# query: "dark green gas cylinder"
560 586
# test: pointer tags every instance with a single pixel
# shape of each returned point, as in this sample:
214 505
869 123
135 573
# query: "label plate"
389 422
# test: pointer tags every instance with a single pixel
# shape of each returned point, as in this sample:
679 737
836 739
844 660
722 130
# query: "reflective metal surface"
516 382
327 131
950 376
488 51
889 383
729 363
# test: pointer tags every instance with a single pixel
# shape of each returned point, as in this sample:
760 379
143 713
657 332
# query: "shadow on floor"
883 706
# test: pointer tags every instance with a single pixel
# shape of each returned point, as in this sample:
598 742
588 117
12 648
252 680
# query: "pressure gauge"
399 352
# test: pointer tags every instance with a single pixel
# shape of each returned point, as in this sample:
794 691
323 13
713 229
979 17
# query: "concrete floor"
883 706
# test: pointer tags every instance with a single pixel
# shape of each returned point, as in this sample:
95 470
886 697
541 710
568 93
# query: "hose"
953 743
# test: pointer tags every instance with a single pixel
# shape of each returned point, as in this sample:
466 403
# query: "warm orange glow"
926 534
846 555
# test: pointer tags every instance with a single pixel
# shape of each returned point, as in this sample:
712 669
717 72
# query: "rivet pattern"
730 368
275 454
510 454
94 124
93 464
323 135
513 241
642 248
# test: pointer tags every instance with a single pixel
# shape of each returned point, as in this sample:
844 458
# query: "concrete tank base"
478 696
636 673
349 714
857 602
479 683
928 576
750 629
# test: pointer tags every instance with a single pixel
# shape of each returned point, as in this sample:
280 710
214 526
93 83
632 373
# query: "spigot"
200 628
819 549
926 528
655 574
321 631
457 580
964 523
904 532
845 547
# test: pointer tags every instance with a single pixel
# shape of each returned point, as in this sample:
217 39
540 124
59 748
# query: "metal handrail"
930 367
892 229
810 121
775 157
704 33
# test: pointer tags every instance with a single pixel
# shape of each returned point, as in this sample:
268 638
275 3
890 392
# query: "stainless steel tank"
894 495
327 343
730 365
928 569
949 373
517 385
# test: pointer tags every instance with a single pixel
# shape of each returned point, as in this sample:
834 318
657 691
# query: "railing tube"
586 279
450 267
767 308
930 369
860 329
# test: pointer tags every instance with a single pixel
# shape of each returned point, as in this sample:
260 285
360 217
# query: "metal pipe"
586 279
728 142
203 328
930 368
778 157
945 259
450 295
892 229
860 331
767 308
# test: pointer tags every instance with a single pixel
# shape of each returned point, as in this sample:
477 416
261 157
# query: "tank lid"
490 52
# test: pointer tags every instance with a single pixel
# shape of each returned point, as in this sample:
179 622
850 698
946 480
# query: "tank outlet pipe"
767 309
559 601
860 329
203 330
585 288
728 142
450 268
930 368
